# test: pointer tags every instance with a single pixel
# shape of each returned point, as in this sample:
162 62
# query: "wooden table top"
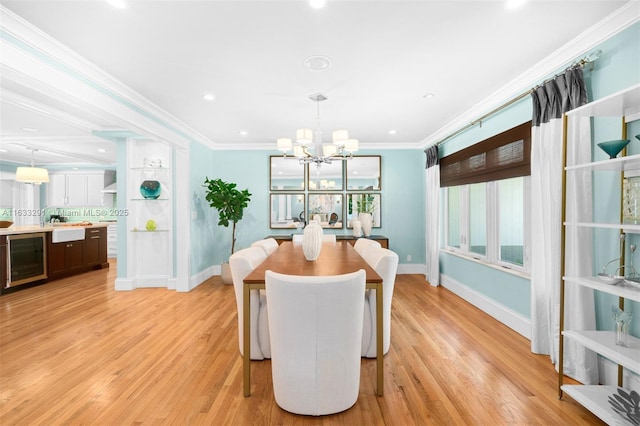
335 259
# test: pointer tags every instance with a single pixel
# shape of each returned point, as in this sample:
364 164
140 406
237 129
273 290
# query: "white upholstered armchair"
385 263
242 263
315 325
269 245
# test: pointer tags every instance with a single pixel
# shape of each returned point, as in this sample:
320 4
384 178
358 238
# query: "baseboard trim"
506 316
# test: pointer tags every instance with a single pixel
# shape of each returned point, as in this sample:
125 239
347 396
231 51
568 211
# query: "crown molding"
572 51
31 54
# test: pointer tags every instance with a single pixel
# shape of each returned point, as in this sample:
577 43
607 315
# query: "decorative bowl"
5 223
610 279
613 148
150 189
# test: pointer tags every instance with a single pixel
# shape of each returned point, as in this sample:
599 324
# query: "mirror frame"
377 213
293 162
292 224
312 169
325 223
350 163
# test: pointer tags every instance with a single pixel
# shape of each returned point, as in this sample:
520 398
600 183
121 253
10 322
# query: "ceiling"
386 57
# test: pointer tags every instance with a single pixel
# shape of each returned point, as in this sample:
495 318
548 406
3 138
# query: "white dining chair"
385 263
315 325
329 238
362 244
242 263
269 245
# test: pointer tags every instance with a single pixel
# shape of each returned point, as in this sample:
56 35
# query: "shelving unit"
150 252
626 106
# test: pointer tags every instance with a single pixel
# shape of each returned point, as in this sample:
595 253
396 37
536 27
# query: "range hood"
111 189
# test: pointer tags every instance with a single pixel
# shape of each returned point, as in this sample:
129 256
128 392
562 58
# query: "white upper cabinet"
76 189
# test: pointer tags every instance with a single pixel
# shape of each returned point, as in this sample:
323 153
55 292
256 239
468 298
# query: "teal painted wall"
402 203
204 231
617 68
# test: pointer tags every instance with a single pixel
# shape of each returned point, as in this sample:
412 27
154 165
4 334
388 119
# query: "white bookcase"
625 105
150 254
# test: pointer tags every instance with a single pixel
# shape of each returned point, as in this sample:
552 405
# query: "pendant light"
34 175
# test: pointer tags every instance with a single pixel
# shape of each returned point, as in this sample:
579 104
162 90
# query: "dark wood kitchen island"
29 255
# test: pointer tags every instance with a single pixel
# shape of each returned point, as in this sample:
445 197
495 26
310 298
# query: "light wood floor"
75 351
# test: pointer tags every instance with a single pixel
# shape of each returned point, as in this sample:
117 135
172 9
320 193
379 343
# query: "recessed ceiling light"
120 4
393 132
317 4
243 133
29 129
428 95
3 150
102 150
209 97
317 63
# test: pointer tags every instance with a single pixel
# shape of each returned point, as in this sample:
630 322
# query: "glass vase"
622 319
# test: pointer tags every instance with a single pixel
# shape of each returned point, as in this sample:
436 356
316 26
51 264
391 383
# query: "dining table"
336 258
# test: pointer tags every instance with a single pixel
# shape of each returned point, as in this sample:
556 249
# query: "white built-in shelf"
629 163
625 103
628 228
151 169
604 343
596 400
621 289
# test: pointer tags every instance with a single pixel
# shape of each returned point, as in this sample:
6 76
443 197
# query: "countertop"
13 229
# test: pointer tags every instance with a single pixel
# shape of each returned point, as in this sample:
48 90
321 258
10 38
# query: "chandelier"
341 149
35 175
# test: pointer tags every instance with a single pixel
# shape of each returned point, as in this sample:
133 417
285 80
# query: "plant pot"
225 273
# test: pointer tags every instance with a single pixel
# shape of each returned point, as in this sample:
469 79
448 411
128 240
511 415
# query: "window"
487 198
490 221
478 218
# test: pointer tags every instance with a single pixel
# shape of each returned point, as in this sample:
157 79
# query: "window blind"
502 156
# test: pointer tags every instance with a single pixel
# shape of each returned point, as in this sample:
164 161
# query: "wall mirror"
363 173
327 177
286 174
327 209
287 210
364 203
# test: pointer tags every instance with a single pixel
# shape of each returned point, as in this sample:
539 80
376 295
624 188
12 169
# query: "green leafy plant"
366 203
229 201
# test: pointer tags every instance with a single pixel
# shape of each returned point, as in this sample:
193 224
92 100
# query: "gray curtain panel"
432 156
556 96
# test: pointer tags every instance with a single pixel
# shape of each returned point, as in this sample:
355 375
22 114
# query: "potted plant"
230 203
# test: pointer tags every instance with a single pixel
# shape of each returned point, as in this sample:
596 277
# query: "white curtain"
550 101
432 216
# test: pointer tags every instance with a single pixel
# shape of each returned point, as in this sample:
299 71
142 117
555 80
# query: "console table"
384 241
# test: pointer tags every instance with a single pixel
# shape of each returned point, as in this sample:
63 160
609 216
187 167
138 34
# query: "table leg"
379 345
246 337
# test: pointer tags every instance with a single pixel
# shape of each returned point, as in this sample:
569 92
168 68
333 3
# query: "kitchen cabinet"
95 247
65 259
624 105
77 189
3 261
112 240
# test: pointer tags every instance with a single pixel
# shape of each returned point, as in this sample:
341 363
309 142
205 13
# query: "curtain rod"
590 58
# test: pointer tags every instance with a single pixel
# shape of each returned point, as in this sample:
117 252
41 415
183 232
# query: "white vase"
225 273
357 227
366 220
312 241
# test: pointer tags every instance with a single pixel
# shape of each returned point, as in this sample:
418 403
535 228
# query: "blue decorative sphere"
150 189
